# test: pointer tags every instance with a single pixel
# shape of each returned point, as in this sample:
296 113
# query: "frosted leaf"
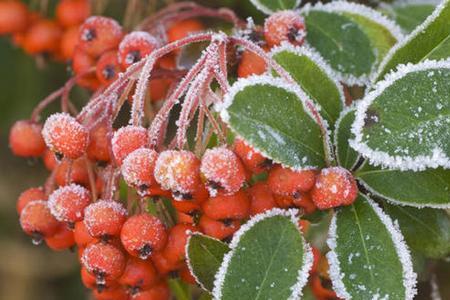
269 6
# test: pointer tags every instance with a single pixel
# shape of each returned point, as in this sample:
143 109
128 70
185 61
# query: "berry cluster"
126 251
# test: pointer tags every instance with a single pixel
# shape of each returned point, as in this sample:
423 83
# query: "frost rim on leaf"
418 30
379 158
314 56
277 82
303 273
409 276
267 10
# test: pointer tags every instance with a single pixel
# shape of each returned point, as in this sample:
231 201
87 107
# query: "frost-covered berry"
176 243
104 218
224 207
107 67
138 168
25 139
251 64
253 160
286 26
126 140
29 195
81 235
37 221
62 239
135 46
222 170
98 148
261 198
142 234
67 203
179 172
159 291
98 35
65 136
138 275
75 171
334 187
104 261
218 229
287 182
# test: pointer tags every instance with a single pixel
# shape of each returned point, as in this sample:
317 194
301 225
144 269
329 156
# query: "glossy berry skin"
65 136
179 172
222 171
13 17
142 234
224 207
334 187
159 87
183 28
159 291
62 239
135 46
98 148
43 37
126 140
29 195
67 203
78 172
176 243
99 34
218 229
104 218
138 275
49 160
25 139
81 235
104 261
72 12
251 64
284 26
261 198
107 67
37 221
253 160
287 182
138 167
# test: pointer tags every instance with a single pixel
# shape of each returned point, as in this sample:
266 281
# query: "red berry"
252 159
67 203
186 206
107 68
135 46
75 171
25 139
218 229
304 201
43 37
334 187
138 168
65 136
83 63
98 149
13 17
186 276
183 29
104 218
72 12
158 292
179 172
176 243
29 195
81 235
49 160
158 88
69 41
251 64
224 207
112 293
286 26
287 182
99 34
105 261
37 221
261 198
284 201
142 234
126 140
222 170
138 275
163 265
63 239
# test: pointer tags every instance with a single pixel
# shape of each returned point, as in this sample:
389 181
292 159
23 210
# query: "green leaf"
269 260
430 40
368 257
180 290
346 156
204 257
409 15
404 122
272 116
429 188
270 6
314 76
425 230
352 38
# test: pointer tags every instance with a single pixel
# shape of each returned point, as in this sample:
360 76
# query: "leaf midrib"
428 228
315 25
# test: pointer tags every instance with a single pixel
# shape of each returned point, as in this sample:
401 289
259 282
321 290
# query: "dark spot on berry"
101 287
145 251
133 290
227 222
102 163
109 72
143 187
266 164
213 185
59 156
372 117
180 195
105 238
173 274
36 238
132 57
296 195
89 34
99 277
70 225
293 35
227 239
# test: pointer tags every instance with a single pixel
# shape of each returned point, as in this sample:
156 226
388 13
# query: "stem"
68 87
44 103
199 132
91 176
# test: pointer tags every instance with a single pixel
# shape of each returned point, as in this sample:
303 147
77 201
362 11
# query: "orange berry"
43 37
224 207
135 46
159 87
138 167
62 239
284 201
29 195
67 203
252 159
334 187
183 28
304 201
25 139
163 265
69 41
77 169
104 218
37 221
82 63
72 12
186 276
286 26
218 229
138 275
157 292
251 64
99 34
105 261
176 243
112 293
13 17
261 198
107 68
287 182
98 148
126 140
81 235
